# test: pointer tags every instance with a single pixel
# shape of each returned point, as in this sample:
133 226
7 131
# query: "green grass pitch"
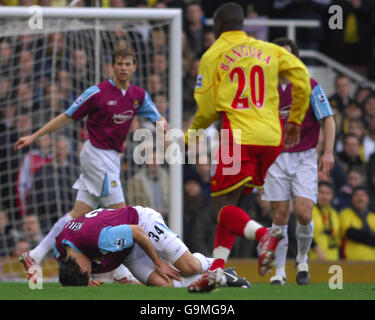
258 291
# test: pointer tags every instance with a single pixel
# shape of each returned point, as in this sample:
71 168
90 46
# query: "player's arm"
55 124
76 111
323 111
149 111
292 68
205 96
143 240
120 237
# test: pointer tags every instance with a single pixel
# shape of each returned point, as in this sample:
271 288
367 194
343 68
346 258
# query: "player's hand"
291 134
162 124
326 163
23 142
167 272
95 283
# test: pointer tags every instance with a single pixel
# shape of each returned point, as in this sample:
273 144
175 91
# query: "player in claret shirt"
237 81
110 108
101 240
293 175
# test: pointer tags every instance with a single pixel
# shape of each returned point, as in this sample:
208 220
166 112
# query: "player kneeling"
103 239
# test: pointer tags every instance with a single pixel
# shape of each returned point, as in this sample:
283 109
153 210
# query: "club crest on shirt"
123 117
136 104
113 183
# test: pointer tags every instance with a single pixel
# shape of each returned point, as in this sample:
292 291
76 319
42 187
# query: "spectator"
326 242
258 32
342 199
369 108
362 92
118 4
6 235
149 187
5 86
160 67
194 27
31 164
52 195
30 230
154 84
350 157
369 141
357 228
351 112
80 71
5 57
24 98
203 168
189 82
198 228
341 98
371 189
161 102
21 246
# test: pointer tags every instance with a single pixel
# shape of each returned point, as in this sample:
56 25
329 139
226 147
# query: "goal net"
42 72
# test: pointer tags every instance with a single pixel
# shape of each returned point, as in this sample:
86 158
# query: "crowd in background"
36 182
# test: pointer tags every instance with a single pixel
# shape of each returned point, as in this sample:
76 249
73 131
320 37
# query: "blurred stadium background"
43 71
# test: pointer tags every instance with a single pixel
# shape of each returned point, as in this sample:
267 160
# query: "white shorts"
293 174
99 182
167 244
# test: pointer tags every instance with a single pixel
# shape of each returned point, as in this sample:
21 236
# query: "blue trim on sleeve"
105 189
115 238
112 82
148 109
71 244
320 103
81 100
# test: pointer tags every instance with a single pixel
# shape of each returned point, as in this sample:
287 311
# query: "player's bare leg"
117 205
232 221
280 217
188 264
304 235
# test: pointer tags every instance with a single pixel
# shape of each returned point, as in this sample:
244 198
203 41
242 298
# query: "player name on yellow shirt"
243 51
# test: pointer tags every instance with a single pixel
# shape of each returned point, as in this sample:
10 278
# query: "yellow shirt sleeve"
204 95
293 69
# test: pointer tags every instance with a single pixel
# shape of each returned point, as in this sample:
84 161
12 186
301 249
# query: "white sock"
281 251
186 281
123 272
304 235
205 261
250 229
48 241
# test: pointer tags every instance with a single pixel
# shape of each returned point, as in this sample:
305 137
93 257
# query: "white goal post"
174 16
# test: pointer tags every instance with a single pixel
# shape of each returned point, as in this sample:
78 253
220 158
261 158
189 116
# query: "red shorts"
249 170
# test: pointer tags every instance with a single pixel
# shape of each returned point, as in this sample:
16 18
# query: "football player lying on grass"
137 237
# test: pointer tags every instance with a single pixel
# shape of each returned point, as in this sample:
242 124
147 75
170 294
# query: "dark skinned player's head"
228 17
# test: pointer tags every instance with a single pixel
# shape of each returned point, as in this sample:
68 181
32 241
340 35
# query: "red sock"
234 219
260 233
225 239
